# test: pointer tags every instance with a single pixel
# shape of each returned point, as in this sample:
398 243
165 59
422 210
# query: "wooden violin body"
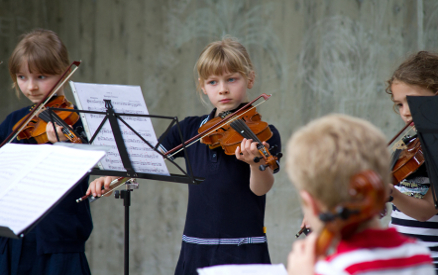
227 138
36 127
244 123
410 158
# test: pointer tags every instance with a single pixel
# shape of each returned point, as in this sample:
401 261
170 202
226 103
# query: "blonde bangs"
219 62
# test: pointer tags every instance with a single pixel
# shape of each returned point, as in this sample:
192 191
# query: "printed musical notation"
125 100
26 190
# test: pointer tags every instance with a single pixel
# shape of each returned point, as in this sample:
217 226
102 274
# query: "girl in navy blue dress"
56 244
225 213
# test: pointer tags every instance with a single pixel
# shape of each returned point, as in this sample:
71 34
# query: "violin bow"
61 81
219 124
398 134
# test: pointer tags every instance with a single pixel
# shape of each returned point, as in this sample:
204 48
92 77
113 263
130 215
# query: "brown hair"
44 53
419 69
226 55
324 155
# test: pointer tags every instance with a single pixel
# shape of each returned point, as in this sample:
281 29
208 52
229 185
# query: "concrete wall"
315 57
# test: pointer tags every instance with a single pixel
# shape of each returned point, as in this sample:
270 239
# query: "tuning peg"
257 159
273 147
263 167
279 155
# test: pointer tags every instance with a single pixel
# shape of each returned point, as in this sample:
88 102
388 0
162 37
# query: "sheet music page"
244 269
35 177
127 100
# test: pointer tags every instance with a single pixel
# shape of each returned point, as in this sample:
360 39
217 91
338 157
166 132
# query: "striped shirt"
373 252
426 232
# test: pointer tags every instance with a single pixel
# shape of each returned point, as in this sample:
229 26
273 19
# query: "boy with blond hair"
340 167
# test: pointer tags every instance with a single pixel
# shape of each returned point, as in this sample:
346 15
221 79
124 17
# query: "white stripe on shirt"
345 260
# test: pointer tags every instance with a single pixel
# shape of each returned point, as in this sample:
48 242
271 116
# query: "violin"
36 127
214 133
367 199
407 155
41 105
245 123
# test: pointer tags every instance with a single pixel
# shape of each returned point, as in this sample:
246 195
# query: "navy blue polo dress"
56 245
225 219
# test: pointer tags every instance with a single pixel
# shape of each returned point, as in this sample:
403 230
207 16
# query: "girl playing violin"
56 244
414 213
340 167
225 214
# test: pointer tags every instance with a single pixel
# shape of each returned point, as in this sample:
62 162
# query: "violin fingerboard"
240 126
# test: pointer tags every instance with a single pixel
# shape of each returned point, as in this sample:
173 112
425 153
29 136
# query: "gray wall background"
315 57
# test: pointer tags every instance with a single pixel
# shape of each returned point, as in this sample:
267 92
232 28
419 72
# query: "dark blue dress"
56 245
225 219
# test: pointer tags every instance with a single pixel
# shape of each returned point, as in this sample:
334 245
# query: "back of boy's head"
324 155
43 51
419 69
224 56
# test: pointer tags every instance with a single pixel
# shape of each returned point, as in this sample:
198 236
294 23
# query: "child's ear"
310 202
251 78
201 85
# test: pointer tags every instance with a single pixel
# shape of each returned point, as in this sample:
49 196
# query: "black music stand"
113 117
424 113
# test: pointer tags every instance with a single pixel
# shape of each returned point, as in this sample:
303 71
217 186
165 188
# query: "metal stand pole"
126 196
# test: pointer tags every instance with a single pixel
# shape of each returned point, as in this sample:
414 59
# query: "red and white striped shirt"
373 252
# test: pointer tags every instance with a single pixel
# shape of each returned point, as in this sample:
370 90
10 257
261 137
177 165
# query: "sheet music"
244 269
34 177
128 100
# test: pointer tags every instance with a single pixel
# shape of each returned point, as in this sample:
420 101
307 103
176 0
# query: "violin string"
44 115
240 126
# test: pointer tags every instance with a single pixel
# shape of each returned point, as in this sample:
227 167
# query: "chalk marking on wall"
213 20
430 40
337 65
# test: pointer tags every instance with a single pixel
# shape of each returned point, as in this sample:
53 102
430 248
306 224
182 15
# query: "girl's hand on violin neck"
247 151
98 185
260 182
302 258
51 136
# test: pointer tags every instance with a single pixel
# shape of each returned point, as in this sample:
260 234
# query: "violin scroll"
367 199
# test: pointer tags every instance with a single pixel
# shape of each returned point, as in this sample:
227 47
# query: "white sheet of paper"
128 100
34 177
244 269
